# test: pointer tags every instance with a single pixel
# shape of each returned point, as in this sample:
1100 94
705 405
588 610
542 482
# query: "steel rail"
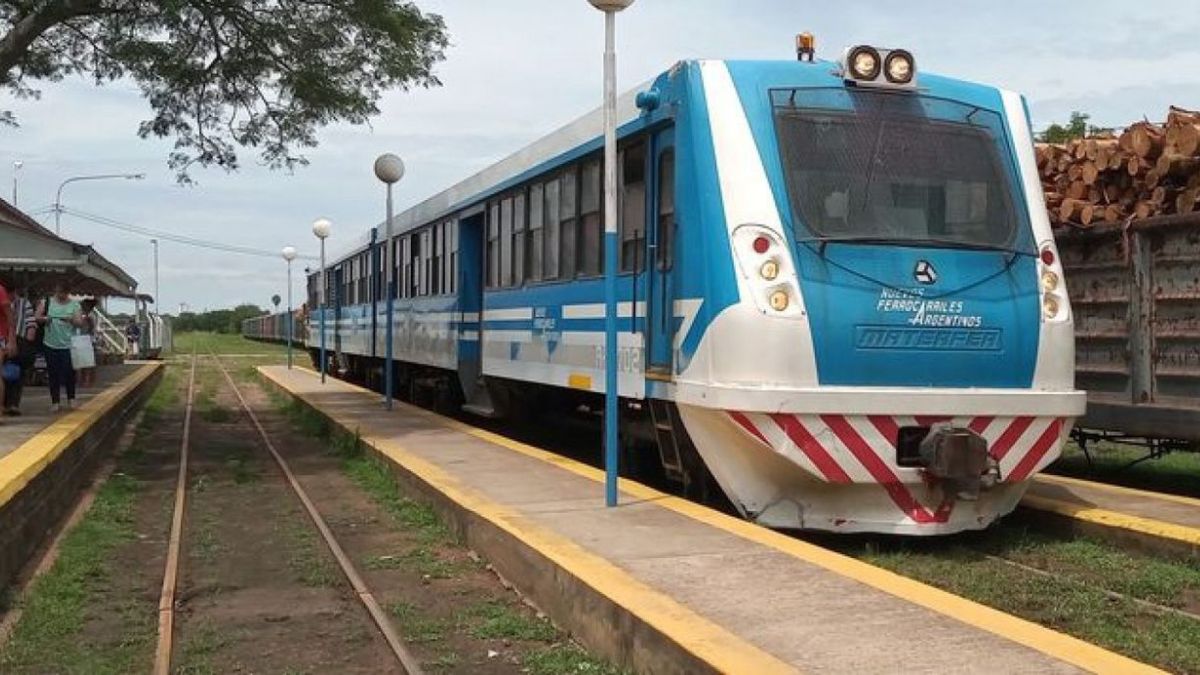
407 661
166 600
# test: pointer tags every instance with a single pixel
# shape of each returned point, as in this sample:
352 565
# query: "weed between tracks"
466 610
1075 601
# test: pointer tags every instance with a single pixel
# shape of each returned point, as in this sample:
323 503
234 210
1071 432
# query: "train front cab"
888 344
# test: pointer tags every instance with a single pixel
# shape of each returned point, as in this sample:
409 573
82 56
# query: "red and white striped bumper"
859 451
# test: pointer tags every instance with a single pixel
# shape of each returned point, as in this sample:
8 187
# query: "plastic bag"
83 354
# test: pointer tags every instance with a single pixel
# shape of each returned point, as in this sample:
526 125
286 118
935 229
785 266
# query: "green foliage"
216 321
1078 127
261 74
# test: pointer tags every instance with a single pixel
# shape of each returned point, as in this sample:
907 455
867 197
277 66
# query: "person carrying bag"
61 316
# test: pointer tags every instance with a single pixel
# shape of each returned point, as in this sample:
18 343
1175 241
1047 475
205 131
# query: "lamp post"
73 179
157 299
610 9
390 169
16 168
289 254
321 228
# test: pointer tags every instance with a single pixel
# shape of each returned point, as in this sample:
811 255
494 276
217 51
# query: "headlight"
1049 280
769 270
899 67
1050 305
864 63
779 300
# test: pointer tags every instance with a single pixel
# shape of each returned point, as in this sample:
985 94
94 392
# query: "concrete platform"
662 585
45 457
1156 520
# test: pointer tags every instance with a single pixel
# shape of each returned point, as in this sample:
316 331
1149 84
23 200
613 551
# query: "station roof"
33 255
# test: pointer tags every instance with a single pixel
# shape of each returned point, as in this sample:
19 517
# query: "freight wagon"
1135 290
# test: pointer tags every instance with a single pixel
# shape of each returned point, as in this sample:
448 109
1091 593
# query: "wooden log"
1076 190
1136 166
1079 149
1075 171
1147 140
1090 172
1185 201
1177 115
1144 209
1112 193
1184 139
1176 166
1069 209
1151 179
1113 213
1053 199
1116 161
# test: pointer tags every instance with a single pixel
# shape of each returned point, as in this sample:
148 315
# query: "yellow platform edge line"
1117 489
1155 528
1053 643
31 457
723 650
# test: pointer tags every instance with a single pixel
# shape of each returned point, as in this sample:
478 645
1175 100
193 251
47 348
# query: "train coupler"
959 459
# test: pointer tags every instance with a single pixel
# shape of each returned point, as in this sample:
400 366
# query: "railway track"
169 601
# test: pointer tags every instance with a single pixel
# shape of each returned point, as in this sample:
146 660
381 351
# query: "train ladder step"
668 439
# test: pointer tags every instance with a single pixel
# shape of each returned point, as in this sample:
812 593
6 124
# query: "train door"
470 305
660 258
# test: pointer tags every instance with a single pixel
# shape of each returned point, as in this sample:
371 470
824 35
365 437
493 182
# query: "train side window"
550 266
506 211
493 245
453 283
402 287
536 232
518 239
666 210
426 261
567 211
633 205
398 261
414 264
435 261
590 227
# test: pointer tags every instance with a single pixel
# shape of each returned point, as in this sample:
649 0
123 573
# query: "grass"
227 343
1075 602
47 638
415 627
500 620
305 558
1175 473
567 658
198 650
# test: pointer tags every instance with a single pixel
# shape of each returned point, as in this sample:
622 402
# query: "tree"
1078 127
261 74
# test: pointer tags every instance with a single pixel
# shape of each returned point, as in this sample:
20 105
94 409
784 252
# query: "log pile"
1147 170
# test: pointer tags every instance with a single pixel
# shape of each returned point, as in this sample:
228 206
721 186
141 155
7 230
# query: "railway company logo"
925 273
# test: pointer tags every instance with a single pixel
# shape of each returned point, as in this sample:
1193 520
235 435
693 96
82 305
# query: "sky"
518 69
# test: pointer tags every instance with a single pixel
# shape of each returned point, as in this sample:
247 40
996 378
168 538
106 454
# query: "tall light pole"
610 9
389 169
73 179
157 299
289 254
321 228
16 168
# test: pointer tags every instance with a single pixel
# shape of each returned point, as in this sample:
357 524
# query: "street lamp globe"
289 253
321 227
389 168
611 5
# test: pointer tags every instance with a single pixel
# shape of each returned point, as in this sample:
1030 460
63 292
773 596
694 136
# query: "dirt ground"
258 590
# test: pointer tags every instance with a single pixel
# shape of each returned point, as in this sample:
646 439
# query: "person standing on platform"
7 335
61 315
25 330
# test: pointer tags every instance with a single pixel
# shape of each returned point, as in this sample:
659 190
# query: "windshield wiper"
822 242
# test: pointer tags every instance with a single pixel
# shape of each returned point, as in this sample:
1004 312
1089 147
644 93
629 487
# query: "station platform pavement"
1154 519
663 585
46 458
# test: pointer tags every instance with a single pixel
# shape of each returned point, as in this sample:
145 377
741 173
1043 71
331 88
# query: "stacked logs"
1147 170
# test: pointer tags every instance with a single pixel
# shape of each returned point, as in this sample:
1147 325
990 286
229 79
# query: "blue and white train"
841 301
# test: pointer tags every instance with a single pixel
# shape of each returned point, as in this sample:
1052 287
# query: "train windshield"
885 167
